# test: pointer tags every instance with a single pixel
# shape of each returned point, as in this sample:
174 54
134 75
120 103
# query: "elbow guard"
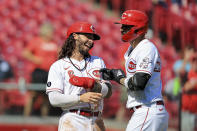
138 81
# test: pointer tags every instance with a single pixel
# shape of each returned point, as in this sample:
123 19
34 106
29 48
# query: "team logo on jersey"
71 73
145 62
131 66
94 73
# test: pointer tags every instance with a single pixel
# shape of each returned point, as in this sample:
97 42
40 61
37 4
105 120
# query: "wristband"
104 89
126 82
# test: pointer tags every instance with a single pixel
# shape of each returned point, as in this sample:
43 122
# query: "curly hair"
68 47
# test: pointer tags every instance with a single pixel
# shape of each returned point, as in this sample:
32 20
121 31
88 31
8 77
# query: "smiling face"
84 42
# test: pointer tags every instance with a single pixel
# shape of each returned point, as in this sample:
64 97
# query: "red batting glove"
85 82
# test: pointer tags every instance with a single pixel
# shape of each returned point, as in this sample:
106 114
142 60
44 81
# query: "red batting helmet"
82 27
138 19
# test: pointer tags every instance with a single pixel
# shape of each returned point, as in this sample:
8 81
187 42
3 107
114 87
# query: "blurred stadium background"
173 25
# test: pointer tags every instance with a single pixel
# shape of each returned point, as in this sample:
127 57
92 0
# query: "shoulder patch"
48 84
145 62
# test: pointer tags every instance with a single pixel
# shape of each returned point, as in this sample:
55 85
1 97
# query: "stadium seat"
37 5
14 98
137 5
62 6
41 17
15 15
4 11
3 101
66 19
12 4
25 2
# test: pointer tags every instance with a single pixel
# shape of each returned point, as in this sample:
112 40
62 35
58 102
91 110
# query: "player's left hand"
91 97
86 82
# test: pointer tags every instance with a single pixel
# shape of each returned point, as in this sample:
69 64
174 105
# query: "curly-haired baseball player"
74 81
142 79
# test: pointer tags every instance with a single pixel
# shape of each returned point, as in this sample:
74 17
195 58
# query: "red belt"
137 107
85 113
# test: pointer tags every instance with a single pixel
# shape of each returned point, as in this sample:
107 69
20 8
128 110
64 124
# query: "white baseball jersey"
144 58
61 71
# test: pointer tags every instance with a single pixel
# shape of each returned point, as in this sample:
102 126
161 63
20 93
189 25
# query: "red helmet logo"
124 16
92 28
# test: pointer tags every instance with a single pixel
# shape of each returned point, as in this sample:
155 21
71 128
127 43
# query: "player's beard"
84 50
84 47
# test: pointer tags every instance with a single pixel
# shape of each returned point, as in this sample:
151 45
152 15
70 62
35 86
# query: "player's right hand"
106 74
91 97
112 74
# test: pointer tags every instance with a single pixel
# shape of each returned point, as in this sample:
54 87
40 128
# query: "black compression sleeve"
138 81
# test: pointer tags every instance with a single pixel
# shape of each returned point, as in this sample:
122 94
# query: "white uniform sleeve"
61 100
55 79
146 59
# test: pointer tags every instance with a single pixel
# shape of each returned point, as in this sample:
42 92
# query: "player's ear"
75 36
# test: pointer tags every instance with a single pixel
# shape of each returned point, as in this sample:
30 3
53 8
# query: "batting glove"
112 74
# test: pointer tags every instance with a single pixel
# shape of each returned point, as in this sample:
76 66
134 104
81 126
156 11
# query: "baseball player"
142 79
74 81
